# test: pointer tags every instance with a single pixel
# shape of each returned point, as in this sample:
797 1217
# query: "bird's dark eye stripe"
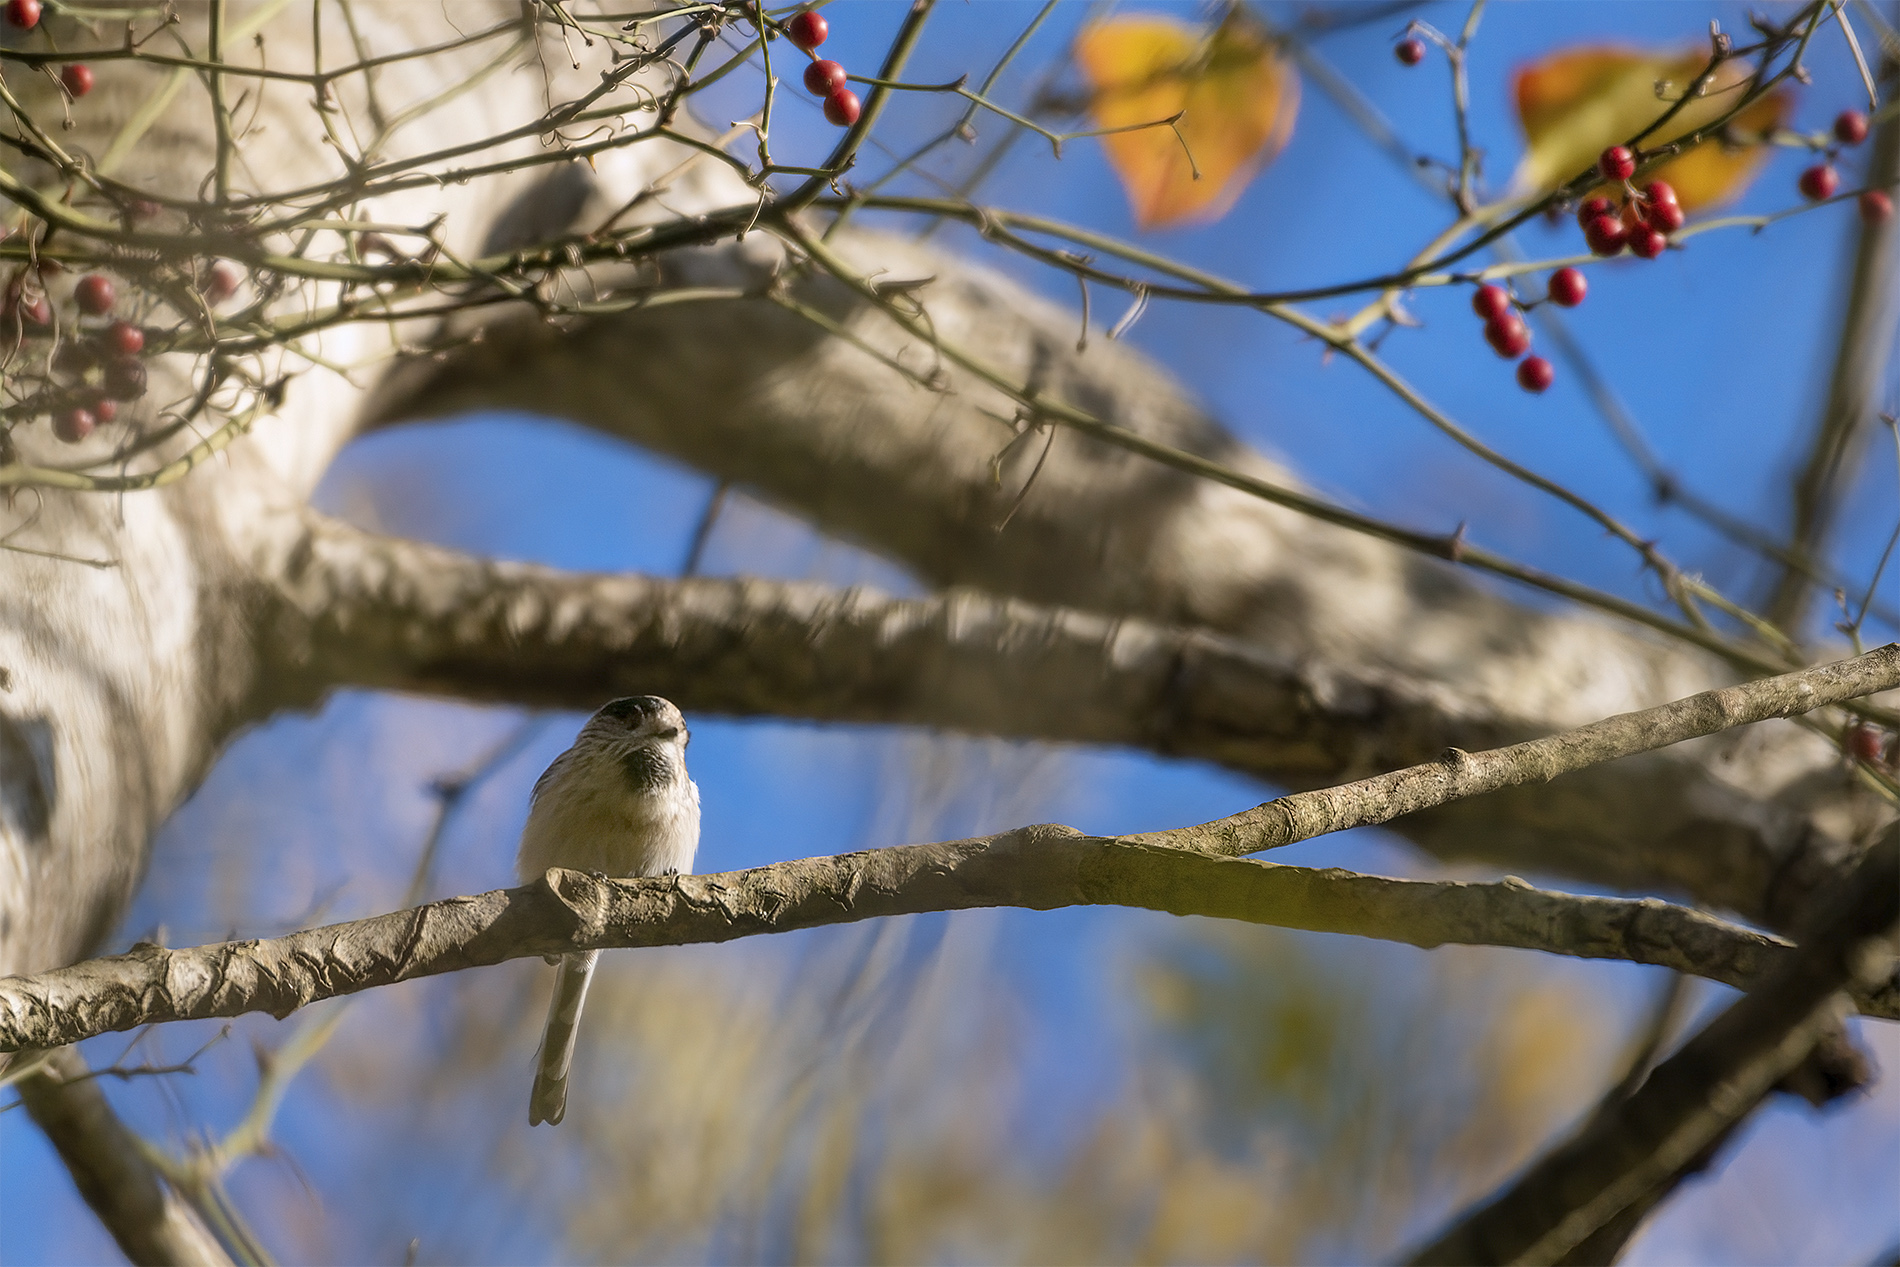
671 732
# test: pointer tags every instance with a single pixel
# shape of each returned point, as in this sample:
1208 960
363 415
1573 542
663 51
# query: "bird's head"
637 720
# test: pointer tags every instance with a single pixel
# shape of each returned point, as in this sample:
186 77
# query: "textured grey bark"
150 1222
1703 1090
1041 868
369 610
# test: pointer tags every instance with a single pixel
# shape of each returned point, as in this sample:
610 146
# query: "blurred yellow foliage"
1236 95
866 1101
1575 104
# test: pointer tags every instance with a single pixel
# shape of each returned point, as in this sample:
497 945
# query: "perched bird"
618 803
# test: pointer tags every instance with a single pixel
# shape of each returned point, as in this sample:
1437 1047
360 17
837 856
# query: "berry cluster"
96 364
1643 221
823 78
1820 182
1510 338
97 367
24 15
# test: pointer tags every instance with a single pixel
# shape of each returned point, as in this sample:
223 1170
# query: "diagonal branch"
110 1166
1702 1091
1460 774
1835 446
1041 868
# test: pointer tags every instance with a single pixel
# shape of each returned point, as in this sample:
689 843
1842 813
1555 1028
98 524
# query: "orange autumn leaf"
1575 104
1237 98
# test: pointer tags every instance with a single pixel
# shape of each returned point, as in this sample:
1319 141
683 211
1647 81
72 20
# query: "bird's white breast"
587 818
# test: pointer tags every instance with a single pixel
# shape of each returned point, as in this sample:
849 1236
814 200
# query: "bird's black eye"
671 732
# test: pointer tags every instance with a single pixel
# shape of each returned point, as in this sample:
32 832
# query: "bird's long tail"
548 1101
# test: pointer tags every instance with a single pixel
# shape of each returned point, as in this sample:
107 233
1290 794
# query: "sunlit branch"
1041 868
1714 1081
1304 815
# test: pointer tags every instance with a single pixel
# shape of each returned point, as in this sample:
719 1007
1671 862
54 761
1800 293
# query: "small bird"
618 803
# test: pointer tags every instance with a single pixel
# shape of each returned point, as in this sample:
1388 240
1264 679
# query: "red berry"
34 311
1491 302
1508 336
1617 163
1850 126
1876 206
24 14
74 425
1534 374
823 78
1664 217
94 294
221 281
125 338
1568 287
124 379
141 209
1647 242
807 30
105 409
1410 52
77 77
1659 191
841 107
1593 207
1819 182
1864 741
1606 235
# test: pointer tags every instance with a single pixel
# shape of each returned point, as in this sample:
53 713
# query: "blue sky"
1719 350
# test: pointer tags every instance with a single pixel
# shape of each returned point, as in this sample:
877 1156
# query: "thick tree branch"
829 428
352 607
356 608
1715 1081
108 1163
1040 867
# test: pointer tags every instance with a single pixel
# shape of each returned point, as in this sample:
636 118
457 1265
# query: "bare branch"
1840 433
110 1166
1460 774
362 609
1041 867
1713 1082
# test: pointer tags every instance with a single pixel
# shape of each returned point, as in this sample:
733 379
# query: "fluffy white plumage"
620 803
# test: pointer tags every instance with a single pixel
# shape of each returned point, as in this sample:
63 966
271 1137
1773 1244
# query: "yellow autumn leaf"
1237 98
1576 103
